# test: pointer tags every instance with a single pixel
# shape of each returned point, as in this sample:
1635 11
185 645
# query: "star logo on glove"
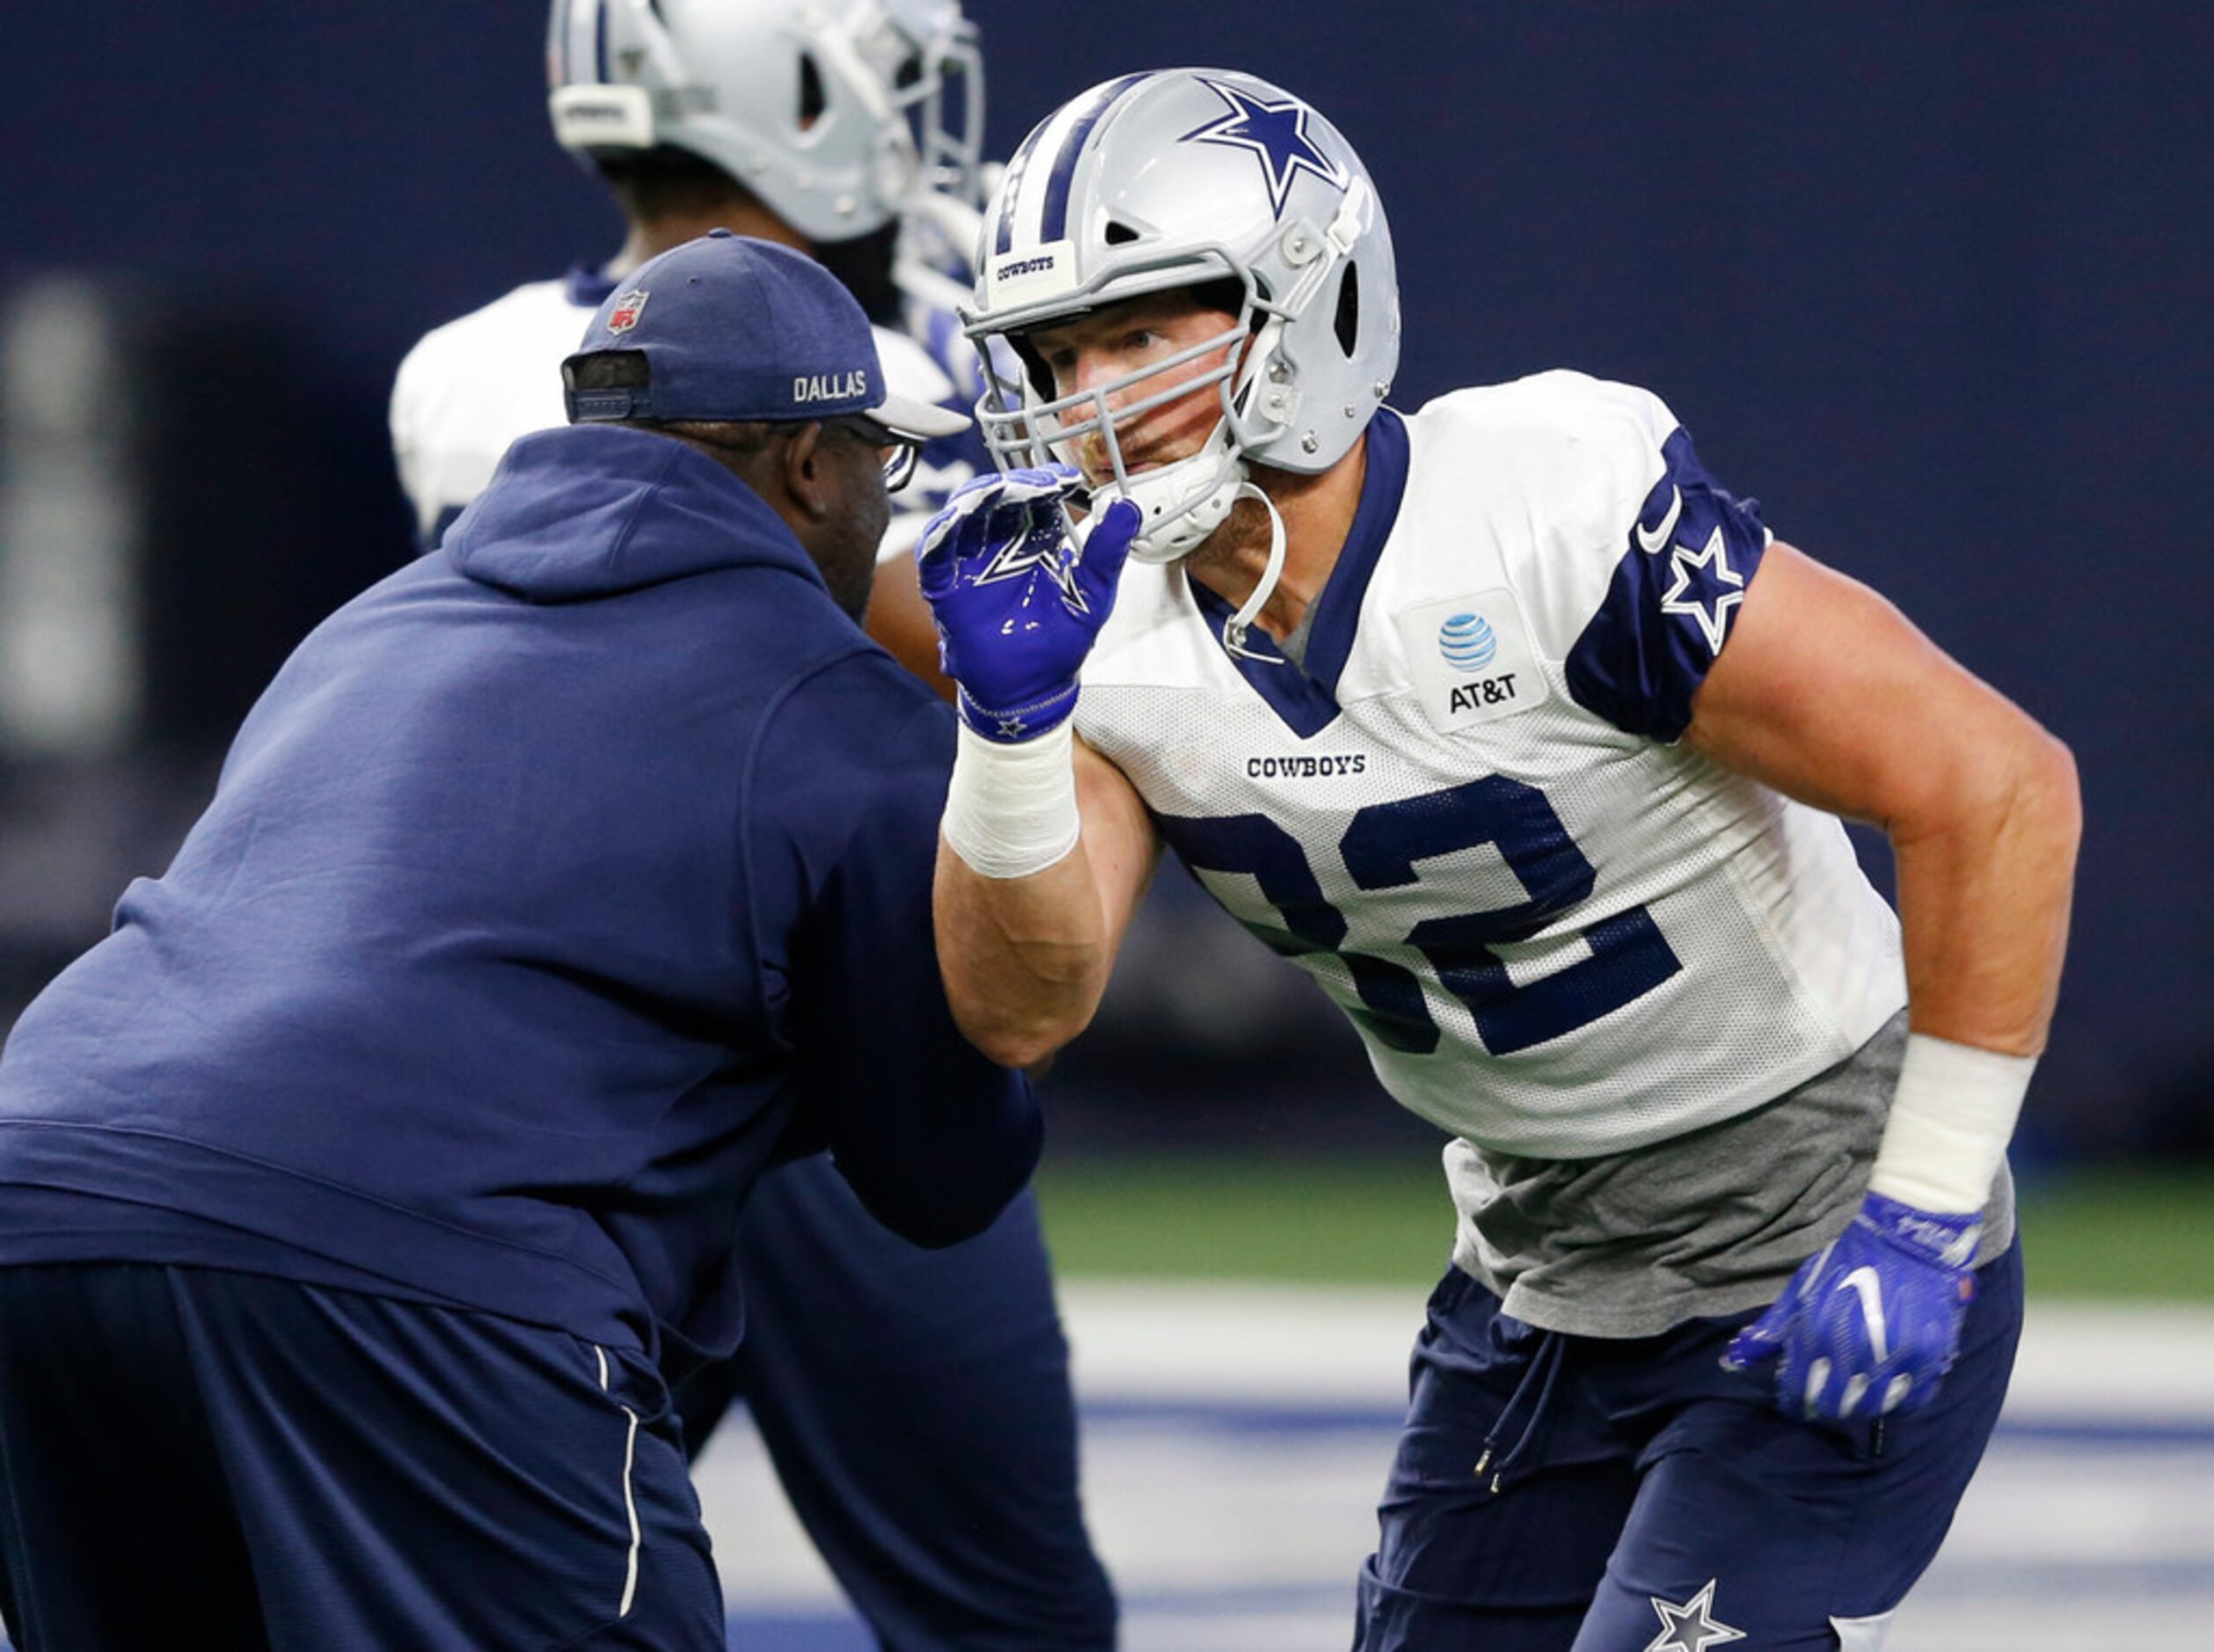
1041 549
1691 1627
1709 567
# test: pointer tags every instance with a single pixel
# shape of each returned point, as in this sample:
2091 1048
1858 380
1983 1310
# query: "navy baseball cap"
726 327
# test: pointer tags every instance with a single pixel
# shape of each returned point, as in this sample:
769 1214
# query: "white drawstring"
630 1494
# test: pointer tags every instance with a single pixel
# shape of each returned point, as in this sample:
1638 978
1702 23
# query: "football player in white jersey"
854 128
1529 742
916 1403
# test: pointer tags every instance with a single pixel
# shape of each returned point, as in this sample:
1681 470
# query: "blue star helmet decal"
1275 133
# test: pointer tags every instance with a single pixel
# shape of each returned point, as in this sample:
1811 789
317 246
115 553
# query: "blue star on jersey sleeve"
1671 602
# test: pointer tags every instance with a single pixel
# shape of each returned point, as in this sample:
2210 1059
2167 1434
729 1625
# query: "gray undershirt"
1705 1225
1294 647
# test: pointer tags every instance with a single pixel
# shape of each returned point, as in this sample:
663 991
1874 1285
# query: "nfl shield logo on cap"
623 315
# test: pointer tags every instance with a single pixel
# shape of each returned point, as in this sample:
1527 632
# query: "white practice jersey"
468 389
1561 933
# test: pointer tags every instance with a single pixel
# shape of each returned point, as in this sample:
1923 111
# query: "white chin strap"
1181 503
1171 497
1235 627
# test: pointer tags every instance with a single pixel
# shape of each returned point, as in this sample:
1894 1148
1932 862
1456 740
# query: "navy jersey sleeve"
934 1138
1685 563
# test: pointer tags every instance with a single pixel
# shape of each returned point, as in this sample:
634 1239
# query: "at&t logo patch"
1467 641
1472 659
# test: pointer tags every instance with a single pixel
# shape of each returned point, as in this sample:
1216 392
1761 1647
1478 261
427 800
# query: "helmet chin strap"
1183 531
1235 627
1181 503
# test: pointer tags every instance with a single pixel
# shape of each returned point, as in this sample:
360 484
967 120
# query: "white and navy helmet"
837 113
1192 178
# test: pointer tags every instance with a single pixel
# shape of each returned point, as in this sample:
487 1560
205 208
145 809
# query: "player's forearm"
1021 942
1034 881
1986 875
1025 959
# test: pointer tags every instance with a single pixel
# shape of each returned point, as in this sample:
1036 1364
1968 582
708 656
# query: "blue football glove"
1017 606
1871 1325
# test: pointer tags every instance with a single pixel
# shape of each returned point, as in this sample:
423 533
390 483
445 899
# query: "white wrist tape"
1011 810
1951 1119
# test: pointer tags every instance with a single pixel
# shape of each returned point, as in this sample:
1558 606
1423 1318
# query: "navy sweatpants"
1559 1494
918 1406
254 1463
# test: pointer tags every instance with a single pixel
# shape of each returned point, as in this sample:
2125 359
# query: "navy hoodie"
555 886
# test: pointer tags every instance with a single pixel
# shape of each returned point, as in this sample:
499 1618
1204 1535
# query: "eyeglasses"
898 454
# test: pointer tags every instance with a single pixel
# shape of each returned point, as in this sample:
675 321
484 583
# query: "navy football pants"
1634 1495
918 1408
196 1456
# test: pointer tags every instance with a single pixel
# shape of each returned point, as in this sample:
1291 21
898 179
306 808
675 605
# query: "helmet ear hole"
1119 234
1347 322
812 100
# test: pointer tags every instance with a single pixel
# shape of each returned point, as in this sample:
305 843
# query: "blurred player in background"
917 1404
1527 740
847 129
357 1191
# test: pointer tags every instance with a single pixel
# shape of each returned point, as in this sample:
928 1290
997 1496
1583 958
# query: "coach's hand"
1017 605
1872 1324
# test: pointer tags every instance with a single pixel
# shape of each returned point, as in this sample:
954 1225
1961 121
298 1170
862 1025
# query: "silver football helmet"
837 113
1192 178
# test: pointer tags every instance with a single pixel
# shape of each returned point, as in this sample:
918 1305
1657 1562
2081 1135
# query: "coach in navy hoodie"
354 1190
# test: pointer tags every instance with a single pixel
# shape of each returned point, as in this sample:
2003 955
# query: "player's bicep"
1829 694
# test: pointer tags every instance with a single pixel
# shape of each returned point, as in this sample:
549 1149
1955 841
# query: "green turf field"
1361 1220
